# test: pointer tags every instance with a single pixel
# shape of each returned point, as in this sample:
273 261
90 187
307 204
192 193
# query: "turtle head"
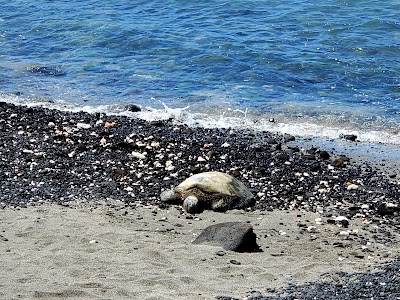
169 196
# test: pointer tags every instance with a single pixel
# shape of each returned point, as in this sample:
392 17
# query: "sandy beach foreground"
54 252
81 217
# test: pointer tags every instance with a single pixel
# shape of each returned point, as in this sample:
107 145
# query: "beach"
81 216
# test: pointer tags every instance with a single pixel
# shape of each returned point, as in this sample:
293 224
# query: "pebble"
352 186
225 145
83 126
344 233
138 155
318 221
93 242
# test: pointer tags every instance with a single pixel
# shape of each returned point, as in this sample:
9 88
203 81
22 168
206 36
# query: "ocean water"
318 68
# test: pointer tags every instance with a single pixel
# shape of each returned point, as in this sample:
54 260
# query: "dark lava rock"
341 161
349 137
324 155
308 156
133 108
283 156
233 236
288 138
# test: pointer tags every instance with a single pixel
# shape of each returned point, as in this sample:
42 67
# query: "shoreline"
118 165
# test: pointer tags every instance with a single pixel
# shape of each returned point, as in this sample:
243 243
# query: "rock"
283 156
324 155
349 137
271 141
138 155
83 126
341 161
288 138
342 221
225 145
133 108
232 236
308 156
352 186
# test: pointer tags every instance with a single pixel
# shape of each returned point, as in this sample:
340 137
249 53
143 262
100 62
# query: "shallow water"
318 69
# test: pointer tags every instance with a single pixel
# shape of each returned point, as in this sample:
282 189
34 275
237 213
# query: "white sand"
53 252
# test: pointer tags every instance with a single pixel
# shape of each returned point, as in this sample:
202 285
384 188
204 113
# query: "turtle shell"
214 183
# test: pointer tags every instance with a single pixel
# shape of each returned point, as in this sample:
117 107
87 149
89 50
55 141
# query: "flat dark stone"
232 236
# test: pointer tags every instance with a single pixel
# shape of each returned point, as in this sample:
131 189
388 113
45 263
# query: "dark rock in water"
349 137
133 108
324 155
288 138
233 236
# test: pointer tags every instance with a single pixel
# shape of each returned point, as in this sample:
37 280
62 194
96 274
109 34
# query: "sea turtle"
216 190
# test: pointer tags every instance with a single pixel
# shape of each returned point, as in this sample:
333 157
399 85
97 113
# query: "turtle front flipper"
192 205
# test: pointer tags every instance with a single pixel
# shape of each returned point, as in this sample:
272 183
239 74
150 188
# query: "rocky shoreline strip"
49 156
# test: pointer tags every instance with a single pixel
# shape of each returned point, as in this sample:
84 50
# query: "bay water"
314 68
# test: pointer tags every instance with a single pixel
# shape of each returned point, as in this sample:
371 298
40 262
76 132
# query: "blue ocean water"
318 68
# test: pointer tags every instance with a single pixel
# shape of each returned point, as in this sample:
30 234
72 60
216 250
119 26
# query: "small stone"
352 186
109 124
344 233
341 221
220 253
312 229
138 155
200 159
225 145
93 242
83 126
